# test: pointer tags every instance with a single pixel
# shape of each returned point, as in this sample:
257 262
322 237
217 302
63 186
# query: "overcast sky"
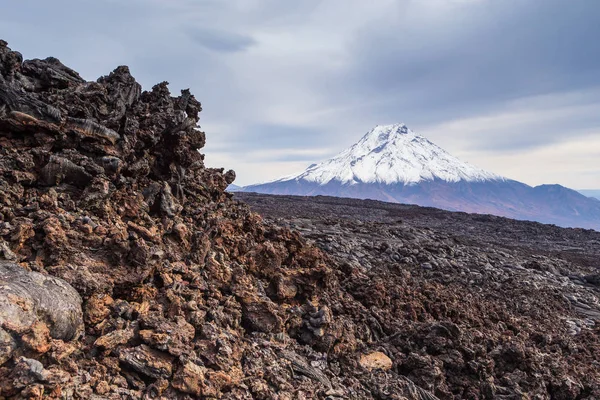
512 86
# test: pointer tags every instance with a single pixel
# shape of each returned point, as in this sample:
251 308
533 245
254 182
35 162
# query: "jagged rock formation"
102 186
188 294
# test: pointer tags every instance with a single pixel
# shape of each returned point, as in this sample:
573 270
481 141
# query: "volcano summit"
393 154
392 163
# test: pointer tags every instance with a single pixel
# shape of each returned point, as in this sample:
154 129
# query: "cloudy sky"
512 86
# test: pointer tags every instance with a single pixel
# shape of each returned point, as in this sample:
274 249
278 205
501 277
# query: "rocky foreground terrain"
127 272
466 305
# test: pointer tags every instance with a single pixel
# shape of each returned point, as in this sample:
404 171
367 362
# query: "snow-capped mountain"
392 163
392 154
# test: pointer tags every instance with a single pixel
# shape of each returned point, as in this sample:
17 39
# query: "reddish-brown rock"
376 360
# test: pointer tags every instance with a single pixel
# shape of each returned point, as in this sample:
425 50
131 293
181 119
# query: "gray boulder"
28 297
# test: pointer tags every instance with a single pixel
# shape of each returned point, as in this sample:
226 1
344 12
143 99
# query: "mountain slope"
392 163
590 193
393 154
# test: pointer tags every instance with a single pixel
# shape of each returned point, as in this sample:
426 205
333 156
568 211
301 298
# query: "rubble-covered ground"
127 272
466 305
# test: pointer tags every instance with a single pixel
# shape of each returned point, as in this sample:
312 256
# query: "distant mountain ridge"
590 193
392 163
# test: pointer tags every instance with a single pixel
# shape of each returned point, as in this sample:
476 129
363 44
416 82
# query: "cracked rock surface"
27 298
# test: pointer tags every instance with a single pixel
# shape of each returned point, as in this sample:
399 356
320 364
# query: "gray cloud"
220 40
488 53
306 158
274 136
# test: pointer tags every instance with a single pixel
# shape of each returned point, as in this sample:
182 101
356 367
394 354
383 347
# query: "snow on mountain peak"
392 154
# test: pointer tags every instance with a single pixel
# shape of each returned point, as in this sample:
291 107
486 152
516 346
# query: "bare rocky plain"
128 272
466 305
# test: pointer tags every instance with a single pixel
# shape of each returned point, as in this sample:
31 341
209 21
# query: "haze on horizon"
511 86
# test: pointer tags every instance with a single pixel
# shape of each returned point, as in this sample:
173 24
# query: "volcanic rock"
148 361
30 299
190 379
467 306
376 360
105 198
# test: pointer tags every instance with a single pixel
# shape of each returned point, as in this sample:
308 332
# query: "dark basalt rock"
60 170
103 189
147 361
49 74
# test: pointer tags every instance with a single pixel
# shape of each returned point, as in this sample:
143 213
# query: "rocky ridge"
183 292
166 287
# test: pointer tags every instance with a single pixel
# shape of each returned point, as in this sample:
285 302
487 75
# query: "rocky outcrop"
105 199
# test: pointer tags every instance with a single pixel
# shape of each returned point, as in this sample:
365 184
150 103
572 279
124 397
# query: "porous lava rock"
465 306
106 201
